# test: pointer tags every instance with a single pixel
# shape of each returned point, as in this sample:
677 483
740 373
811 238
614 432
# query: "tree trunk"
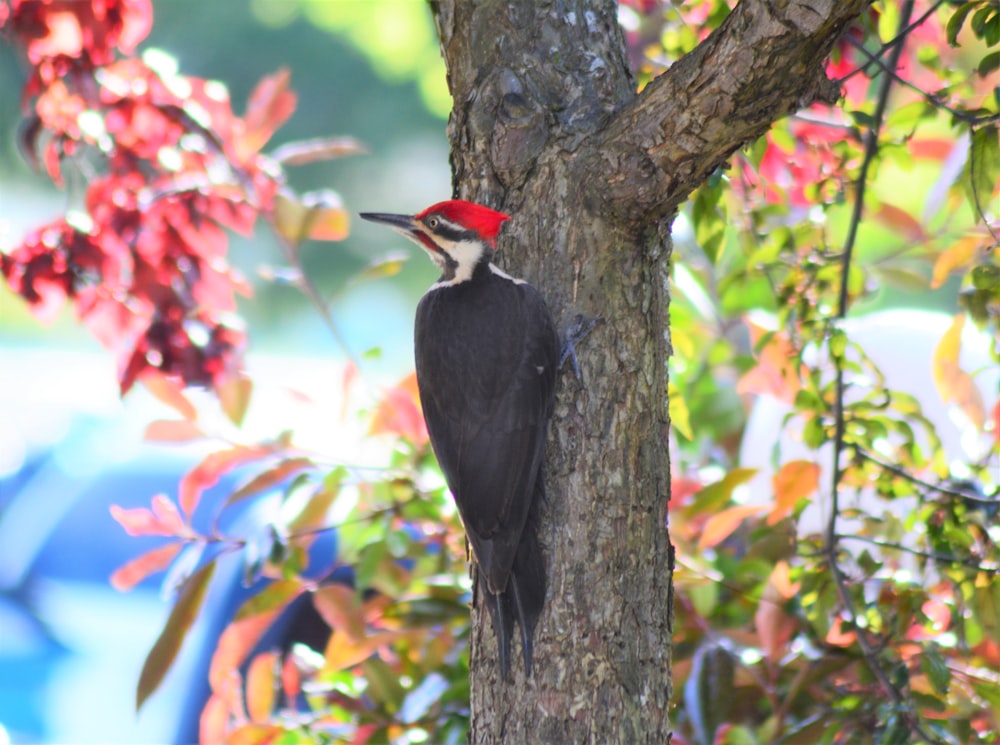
547 126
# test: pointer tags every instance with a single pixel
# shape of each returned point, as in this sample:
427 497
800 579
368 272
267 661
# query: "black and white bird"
487 353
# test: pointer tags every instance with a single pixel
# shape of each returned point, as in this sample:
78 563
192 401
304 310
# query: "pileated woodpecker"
487 352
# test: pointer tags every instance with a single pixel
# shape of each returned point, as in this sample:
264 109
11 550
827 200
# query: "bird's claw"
577 332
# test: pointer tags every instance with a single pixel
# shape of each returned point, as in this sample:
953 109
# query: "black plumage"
486 356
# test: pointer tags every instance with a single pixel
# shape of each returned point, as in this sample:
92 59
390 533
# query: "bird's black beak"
403 223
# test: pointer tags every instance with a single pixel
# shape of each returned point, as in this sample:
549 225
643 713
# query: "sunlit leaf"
679 418
135 571
982 169
399 413
954 384
252 619
270 104
795 480
165 650
207 473
722 524
715 495
169 392
303 152
956 257
270 478
340 607
256 734
261 686
775 626
234 398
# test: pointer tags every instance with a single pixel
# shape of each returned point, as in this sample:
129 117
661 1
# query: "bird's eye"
432 223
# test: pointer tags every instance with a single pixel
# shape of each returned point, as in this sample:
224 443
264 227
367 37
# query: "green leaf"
989 64
935 668
716 495
165 650
957 20
982 169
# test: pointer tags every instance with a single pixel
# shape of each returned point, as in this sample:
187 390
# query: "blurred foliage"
878 624
875 622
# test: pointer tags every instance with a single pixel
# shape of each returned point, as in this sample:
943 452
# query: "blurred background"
71 647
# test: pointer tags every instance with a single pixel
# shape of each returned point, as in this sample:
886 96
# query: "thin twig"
896 41
939 488
946 558
931 98
871 145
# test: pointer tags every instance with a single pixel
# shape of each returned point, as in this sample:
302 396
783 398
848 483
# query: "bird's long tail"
522 600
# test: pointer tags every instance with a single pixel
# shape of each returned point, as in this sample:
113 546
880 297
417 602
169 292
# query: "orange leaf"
252 619
775 373
269 478
793 481
234 398
168 644
774 625
141 521
957 256
339 607
901 221
255 734
399 413
207 473
132 573
173 430
722 524
954 385
303 152
995 416
214 719
261 686
169 392
343 652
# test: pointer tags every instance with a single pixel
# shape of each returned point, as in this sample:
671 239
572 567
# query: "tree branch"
723 94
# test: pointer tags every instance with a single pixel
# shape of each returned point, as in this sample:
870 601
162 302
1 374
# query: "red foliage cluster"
145 263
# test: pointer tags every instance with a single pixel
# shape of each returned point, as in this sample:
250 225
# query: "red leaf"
141 521
207 473
129 575
399 413
270 104
165 650
291 678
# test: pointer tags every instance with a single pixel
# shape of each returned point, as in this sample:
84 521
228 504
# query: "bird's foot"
576 333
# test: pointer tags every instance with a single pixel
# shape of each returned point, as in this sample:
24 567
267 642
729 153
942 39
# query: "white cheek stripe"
501 273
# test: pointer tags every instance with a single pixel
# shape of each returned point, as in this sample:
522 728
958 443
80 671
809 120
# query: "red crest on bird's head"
483 220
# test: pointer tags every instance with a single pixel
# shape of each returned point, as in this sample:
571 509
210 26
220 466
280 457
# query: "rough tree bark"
547 126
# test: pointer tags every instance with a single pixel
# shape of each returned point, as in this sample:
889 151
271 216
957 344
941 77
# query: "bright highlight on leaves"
954 384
